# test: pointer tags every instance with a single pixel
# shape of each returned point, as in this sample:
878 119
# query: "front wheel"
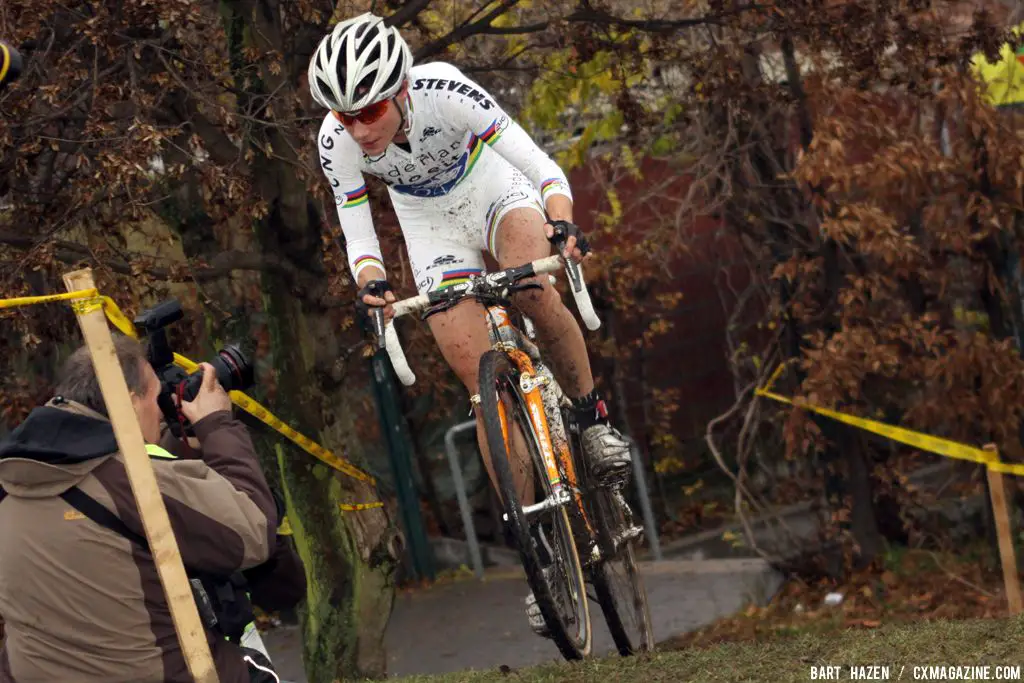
557 578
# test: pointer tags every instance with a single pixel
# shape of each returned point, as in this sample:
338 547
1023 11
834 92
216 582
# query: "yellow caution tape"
33 300
924 442
355 507
119 319
285 527
6 59
93 301
313 448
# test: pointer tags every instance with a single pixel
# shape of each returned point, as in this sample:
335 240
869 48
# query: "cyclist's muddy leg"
461 334
521 239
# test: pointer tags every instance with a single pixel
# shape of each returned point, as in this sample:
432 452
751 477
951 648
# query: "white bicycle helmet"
360 62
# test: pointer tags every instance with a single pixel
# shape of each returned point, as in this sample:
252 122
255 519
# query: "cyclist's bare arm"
559 207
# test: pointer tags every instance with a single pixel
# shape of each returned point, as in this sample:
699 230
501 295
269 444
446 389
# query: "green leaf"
663 145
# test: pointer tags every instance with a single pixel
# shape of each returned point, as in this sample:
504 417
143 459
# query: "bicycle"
591 526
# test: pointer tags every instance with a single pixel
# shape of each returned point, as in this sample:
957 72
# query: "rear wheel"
553 572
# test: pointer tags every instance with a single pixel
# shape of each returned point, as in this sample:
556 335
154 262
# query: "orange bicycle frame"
539 420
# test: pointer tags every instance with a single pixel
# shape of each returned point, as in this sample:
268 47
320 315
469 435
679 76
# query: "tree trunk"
863 524
349 555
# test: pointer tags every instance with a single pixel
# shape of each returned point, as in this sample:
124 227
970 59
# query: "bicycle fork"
530 384
543 398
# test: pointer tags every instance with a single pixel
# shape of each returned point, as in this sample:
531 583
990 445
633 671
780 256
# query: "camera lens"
233 369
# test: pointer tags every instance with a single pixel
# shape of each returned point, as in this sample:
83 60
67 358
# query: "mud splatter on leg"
521 239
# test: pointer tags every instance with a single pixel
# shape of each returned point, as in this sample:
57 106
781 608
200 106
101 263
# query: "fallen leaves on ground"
917 585
442 577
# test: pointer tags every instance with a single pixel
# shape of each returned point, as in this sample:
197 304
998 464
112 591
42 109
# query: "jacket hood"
54 449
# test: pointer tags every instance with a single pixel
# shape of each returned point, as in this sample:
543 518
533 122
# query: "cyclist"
463 177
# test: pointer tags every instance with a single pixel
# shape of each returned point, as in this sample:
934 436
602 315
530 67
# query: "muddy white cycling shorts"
447 235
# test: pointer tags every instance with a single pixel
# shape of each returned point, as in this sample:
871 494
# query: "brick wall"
693 356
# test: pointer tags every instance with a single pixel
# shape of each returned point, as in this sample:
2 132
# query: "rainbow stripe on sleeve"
475 148
356 197
492 134
366 261
553 185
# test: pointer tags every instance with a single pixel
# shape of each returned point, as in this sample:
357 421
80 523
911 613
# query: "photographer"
275 585
79 589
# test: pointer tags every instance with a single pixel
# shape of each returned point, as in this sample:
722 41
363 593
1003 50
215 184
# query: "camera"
10 64
233 368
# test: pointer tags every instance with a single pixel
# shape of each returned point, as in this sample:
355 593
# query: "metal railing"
460 492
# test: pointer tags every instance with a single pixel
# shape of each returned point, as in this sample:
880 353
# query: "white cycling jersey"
468 164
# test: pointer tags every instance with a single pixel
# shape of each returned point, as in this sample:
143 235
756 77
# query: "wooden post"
155 521
1001 515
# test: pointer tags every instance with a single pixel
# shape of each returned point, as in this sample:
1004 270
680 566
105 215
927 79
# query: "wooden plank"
1007 555
155 521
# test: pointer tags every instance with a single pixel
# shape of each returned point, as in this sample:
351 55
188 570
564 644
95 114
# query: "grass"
912 608
784 659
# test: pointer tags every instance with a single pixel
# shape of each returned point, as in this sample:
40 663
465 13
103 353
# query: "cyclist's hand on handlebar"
376 294
569 238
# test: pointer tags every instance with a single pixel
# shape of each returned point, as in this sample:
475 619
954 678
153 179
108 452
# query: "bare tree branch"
223 265
465 30
514 30
709 438
588 14
583 15
410 10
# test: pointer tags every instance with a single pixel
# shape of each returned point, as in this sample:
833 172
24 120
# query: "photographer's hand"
211 397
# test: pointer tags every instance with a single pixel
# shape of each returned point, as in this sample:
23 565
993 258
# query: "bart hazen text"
880 672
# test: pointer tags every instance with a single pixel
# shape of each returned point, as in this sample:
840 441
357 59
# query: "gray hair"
77 380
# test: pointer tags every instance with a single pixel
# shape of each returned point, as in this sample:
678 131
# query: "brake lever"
572 271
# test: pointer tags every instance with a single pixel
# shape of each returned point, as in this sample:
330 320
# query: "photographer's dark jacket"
83 604
280 582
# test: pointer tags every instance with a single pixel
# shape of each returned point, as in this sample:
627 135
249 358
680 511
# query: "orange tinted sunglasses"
367 115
